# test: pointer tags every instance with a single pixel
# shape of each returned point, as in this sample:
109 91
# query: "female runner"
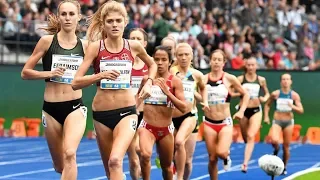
186 123
251 121
286 101
63 113
218 122
114 105
156 126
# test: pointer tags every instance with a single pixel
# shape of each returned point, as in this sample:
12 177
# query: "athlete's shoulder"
275 93
240 78
45 42
84 43
294 94
261 79
230 77
94 44
46 39
196 72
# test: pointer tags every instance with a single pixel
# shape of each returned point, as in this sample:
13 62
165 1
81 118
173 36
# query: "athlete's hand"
110 74
205 106
58 72
266 120
262 99
145 92
238 115
162 84
290 104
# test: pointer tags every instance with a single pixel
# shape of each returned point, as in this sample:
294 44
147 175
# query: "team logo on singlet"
125 56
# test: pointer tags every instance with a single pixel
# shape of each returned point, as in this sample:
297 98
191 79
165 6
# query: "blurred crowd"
281 34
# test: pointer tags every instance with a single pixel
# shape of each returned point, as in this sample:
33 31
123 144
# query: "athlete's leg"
186 128
134 158
73 129
210 137
54 135
146 142
275 137
190 147
123 134
244 123
104 140
253 128
223 145
287 136
166 148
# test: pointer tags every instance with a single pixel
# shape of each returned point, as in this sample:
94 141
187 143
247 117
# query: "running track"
29 159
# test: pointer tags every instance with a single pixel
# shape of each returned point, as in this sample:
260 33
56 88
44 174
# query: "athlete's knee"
213 158
134 163
250 138
222 154
188 163
115 162
167 170
286 146
138 150
70 154
275 141
179 144
145 156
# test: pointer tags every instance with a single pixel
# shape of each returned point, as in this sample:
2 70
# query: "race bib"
123 81
157 96
228 121
188 89
135 83
283 104
70 63
44 121
216 95
253 89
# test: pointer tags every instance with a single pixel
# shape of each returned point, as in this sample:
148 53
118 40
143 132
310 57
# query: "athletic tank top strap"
126 44
61 56
246 81
169 83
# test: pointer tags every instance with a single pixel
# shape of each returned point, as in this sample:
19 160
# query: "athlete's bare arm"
81 80
28 73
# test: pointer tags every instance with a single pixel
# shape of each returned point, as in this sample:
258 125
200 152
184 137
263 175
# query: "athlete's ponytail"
95 30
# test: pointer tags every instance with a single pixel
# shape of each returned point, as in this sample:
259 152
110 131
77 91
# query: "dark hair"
145 34
167 49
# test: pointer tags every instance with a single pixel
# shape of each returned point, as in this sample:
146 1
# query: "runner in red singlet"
114 105
139 70
156 126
